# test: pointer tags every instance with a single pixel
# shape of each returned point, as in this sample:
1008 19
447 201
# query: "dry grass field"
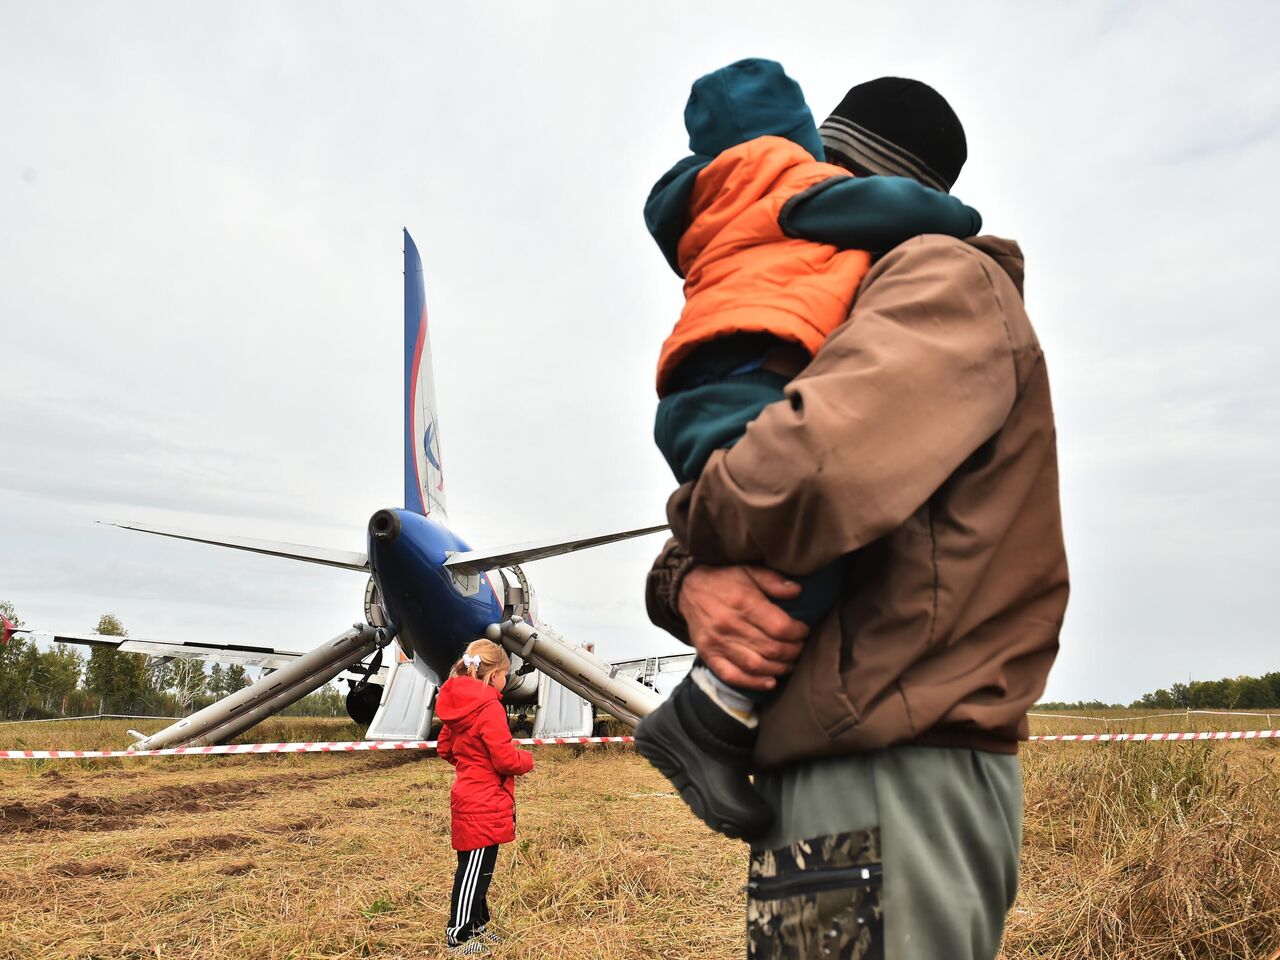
1132 851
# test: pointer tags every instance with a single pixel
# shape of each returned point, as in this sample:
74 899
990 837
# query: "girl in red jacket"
476 739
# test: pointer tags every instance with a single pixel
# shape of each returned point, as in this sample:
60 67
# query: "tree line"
1229 693
62 682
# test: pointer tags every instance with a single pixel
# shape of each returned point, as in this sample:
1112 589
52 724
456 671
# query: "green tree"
6 608
57 676
17 667
328 701
216 681
1253 693
119 680
1273 681
1181 696
1160 700
188 682
233 679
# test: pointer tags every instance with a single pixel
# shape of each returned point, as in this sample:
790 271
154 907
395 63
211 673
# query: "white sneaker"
475 947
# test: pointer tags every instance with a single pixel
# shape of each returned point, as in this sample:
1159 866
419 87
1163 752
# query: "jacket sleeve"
662 590
898 397
666 212
444 745
874 213
506 759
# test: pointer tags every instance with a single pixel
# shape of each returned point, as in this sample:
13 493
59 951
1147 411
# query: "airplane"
428 595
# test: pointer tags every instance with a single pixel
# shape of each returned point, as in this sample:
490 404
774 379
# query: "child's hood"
741 102
461 697
748 99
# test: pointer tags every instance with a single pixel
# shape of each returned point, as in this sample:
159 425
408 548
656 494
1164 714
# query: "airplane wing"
344 559
478 561
645 670
244 654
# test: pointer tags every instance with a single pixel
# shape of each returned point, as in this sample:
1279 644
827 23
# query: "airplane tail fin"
7 627
423 471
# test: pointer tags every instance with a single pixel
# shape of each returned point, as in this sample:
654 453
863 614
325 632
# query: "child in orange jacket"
476 739
772 243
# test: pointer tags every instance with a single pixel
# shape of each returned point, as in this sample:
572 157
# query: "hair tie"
469 660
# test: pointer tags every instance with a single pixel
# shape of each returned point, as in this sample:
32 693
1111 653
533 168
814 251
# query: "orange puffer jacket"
742 273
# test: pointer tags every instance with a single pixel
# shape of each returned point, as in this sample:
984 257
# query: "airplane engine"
374 614
522 682
519 600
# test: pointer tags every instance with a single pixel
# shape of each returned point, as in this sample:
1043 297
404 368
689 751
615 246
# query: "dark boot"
706 754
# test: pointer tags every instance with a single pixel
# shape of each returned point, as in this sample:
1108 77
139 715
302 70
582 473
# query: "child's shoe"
706 753
475 947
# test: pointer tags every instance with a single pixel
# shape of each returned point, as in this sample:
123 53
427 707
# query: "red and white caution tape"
357 746
347 746
1203 735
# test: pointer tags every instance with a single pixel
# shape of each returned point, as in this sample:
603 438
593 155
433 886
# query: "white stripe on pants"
470 909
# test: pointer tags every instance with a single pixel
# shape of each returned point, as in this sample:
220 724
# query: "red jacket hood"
461 697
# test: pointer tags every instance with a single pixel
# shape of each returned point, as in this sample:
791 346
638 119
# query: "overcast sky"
200 292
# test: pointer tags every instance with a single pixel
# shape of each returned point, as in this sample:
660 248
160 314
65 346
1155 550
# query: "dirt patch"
293 826
15 815
88 868
360 803
187 848
74 811
238 868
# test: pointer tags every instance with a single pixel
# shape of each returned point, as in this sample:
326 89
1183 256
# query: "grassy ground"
1132 851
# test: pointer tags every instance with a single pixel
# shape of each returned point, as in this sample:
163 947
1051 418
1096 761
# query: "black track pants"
469 908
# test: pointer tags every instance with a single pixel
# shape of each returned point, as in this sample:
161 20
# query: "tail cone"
384 526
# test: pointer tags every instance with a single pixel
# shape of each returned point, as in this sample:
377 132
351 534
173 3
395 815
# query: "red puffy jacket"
476 739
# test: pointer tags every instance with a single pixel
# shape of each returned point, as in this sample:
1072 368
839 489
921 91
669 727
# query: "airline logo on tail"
423 463
431 447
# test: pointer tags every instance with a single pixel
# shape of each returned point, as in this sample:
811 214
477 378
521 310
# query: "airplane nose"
384 526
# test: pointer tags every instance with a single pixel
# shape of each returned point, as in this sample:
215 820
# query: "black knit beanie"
897 127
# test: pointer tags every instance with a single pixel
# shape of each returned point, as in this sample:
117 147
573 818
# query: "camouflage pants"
909 853
817 898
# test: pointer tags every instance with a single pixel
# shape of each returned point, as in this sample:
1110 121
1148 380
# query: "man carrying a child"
916 454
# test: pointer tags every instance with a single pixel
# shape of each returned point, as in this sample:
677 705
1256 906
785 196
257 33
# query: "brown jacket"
921 442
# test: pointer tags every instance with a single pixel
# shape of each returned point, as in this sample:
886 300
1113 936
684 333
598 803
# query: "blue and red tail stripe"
415 335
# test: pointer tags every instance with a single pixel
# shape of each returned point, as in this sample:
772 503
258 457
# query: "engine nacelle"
374 613
518 595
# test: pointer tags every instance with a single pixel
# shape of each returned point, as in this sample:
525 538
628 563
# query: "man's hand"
739 632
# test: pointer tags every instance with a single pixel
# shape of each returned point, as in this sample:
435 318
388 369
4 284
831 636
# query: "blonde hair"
482 659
